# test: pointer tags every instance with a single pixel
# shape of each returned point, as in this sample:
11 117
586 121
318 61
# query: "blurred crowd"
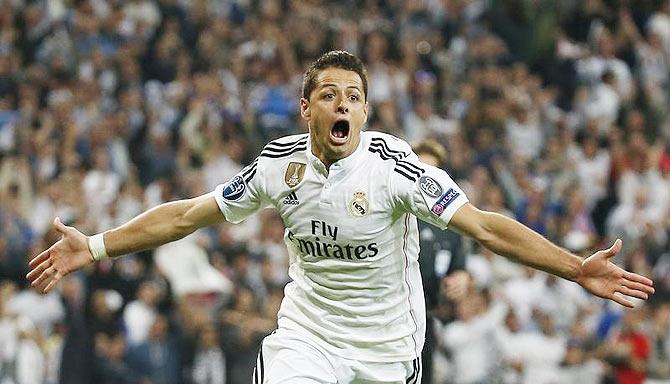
555 113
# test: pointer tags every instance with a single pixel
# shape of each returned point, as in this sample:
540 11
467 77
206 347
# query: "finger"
37 260
638 286
614 249
40 288
639 278
43 276
53 282
633 293
39 269
618 299
60 227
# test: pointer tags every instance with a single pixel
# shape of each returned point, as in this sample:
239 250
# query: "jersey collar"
347 163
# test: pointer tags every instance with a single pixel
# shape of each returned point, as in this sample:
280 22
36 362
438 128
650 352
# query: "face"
335 112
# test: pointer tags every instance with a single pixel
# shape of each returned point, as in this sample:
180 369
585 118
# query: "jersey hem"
352 353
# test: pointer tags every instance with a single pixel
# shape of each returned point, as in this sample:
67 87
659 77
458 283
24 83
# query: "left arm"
515 241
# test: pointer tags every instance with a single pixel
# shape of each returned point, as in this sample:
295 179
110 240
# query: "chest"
341 207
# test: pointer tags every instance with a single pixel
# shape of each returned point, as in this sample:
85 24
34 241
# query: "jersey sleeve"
425 191
244 194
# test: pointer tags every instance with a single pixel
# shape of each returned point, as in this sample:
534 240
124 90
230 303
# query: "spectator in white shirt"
468 339
422 122
101 185
140 314
30 364
209 366
524 134
603 103
579 367
593 167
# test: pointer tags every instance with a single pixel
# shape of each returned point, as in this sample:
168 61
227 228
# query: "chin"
337 152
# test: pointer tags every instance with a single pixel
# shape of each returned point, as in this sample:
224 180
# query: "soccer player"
354 311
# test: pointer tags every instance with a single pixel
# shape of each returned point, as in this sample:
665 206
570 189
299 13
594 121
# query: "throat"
330 156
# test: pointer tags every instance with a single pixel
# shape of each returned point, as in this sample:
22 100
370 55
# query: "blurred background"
551 112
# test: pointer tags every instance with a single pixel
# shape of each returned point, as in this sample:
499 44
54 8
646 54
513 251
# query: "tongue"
340 130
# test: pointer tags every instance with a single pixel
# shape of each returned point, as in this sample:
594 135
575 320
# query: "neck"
328 159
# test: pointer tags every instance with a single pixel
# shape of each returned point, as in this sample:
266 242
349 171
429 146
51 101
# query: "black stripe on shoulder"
403 165
299 148
400 167
249 171
397 156
287 144
250 167
282 150
400 171
411 165
248 178
382 142
380 153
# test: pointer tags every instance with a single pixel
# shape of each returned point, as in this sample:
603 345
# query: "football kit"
352 237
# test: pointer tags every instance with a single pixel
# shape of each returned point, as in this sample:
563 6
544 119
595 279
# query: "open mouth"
339 133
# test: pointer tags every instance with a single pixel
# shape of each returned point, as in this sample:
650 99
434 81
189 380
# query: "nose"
342 107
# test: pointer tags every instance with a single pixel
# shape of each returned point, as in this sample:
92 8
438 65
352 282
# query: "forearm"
519 243
160 225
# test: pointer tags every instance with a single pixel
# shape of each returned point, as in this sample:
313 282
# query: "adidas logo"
291 199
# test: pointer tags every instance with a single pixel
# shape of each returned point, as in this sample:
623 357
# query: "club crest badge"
359 205
294 174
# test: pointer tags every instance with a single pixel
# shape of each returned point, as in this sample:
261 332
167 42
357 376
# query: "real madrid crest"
294 174
359 205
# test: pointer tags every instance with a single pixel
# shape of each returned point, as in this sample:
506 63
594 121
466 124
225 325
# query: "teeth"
340 130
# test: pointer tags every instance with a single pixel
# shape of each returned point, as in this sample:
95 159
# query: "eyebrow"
326 85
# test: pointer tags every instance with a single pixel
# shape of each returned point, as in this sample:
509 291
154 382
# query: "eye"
329 96
354 98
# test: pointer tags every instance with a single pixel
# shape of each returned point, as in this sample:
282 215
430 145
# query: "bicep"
470 221
203 211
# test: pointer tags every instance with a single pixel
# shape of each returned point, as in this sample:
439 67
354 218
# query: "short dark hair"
334 59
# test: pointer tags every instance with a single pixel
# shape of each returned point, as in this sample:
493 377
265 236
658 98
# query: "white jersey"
352 236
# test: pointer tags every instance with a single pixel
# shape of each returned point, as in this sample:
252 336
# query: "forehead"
340 77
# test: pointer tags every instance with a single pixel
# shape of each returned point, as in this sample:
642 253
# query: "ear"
365 112
305 112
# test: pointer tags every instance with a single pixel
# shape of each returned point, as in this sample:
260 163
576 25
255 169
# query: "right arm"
157 226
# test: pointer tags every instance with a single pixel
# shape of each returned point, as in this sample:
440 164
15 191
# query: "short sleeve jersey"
352 237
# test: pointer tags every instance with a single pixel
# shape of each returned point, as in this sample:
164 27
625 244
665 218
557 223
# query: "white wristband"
96 245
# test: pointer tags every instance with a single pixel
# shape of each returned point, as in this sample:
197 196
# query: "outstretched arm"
157 226
513 240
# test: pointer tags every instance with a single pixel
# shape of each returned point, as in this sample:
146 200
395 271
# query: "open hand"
603 278
68 254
